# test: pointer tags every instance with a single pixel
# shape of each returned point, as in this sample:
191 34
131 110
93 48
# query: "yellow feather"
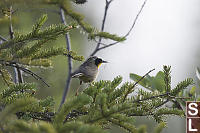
99 65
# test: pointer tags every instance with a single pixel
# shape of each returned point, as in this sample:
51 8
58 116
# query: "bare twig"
98 48
67 37
143 77
34 75
100 42
125 96
18 74
102 27
2 38
136 18
15 65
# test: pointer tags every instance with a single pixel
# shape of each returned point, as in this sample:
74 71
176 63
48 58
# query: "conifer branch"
167 94
49 33
40 9
2 38
18 74
167 78
34 75
15 65
49 116
153 97
67 37
3 77
98 48
166 101
128 92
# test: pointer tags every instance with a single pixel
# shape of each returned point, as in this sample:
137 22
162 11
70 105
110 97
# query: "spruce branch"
181 86
16 65
50 33
159 127
39 9
152 97
128 92
18 74
7 78
3 77
167 94
27 52
167 78
16 106
68 43
74 103
3 38
129 127
39 24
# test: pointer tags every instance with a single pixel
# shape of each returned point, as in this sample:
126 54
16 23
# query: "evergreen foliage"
27 49
99 106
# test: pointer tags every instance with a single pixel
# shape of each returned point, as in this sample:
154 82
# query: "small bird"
88 71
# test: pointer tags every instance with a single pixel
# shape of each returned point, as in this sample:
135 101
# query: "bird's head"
98 61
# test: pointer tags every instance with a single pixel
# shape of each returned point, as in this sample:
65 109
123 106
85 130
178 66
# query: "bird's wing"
76 75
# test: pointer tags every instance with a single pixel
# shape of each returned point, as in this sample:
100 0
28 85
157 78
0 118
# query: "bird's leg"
78 88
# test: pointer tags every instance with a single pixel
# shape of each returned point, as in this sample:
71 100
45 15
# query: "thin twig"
34 75
15 65
143 77
3 38
100 42
67 37
125 96
126 35
136 18
102 26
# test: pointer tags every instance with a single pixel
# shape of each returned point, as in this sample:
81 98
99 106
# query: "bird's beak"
104 61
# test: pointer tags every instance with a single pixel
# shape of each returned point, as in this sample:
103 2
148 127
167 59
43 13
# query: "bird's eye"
98 61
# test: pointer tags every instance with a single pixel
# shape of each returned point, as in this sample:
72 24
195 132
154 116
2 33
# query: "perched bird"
87 72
